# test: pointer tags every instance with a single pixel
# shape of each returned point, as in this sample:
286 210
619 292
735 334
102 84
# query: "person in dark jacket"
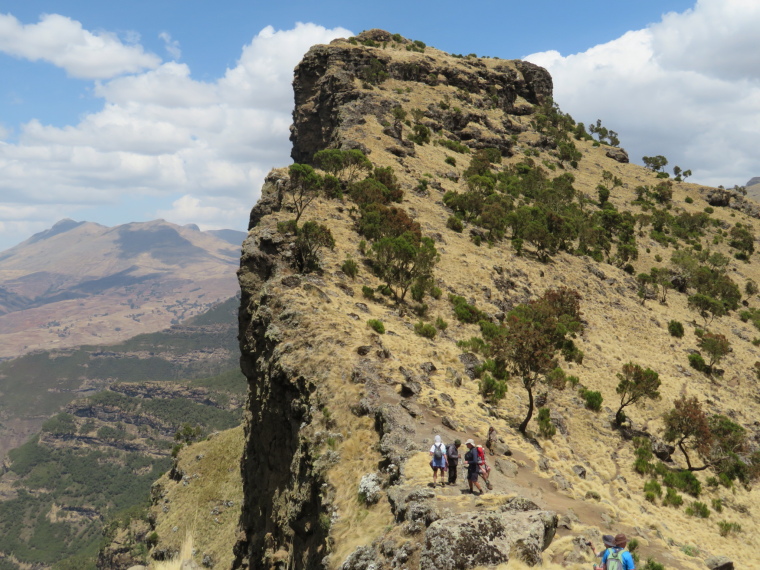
452 455
473 466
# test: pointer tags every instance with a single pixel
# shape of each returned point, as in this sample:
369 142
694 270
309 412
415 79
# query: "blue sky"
127 111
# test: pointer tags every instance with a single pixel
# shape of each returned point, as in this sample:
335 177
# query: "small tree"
716 346
532 335
312 238
688 427
304 187
402 260
345 164
742 239
707 306
655 163
636 384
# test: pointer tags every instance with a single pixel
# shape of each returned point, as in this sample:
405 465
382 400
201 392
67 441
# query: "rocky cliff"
350 378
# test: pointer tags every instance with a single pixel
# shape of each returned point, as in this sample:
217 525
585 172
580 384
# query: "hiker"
473 466
617 557
609 543
483 467
491 439
438 459
452 458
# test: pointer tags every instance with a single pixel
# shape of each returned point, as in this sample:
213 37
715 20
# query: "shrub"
689 200
465 312
675 328
376 325
545 426
451 160
287 227
368 292
454 146
420 310
440 324
492 389
652 565
312 238
654 487
593 399
672 498
350 267
697 362
717 505
420 135
697 509
725 528
684 481
426 330
454 223
642 465
435 292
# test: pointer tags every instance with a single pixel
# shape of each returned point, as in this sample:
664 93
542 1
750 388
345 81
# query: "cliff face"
340 418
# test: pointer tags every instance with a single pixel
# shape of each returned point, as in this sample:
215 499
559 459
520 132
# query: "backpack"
481 455
615 560
438 454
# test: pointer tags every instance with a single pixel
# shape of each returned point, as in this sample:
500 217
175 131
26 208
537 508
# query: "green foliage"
742 239
635 385
403 260
465 312
717 505
653 486
492 389
376 325
708 307
420 134
716 346
454 223
655 163
312 239
378 221
592 398
304 187
726 528
652 565
435 292
374 72
454 146
697 509
545 426
450 160
350 267
440 324
346 165
675 328
426 330
604 134
697 362
672 498
62 424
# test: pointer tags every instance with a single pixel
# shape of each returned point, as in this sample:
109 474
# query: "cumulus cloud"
687 87
206 146
64 43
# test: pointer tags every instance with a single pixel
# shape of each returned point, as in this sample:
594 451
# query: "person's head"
620 541
437 439
608 540
457 442
469 443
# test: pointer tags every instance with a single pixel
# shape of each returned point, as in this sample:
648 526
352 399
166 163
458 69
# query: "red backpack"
481 455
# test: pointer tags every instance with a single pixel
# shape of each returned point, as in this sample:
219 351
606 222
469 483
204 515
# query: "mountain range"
85 283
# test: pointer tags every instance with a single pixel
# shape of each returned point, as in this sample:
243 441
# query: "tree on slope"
636 384
533 334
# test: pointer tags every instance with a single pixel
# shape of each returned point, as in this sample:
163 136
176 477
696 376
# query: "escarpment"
357 356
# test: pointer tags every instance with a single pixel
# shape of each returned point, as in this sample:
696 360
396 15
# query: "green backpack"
615 560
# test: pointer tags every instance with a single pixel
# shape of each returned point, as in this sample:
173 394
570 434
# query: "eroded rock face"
327 99
483 539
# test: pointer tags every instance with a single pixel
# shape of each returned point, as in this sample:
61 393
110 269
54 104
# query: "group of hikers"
445 458
614 555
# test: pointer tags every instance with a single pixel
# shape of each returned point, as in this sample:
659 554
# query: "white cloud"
171 46
64 43
687 87
161 133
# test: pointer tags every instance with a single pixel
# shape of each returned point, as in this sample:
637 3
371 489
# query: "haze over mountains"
84 283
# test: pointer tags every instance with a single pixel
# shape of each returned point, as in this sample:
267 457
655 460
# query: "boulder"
618 154
662 450
470 540
370 488
719 563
